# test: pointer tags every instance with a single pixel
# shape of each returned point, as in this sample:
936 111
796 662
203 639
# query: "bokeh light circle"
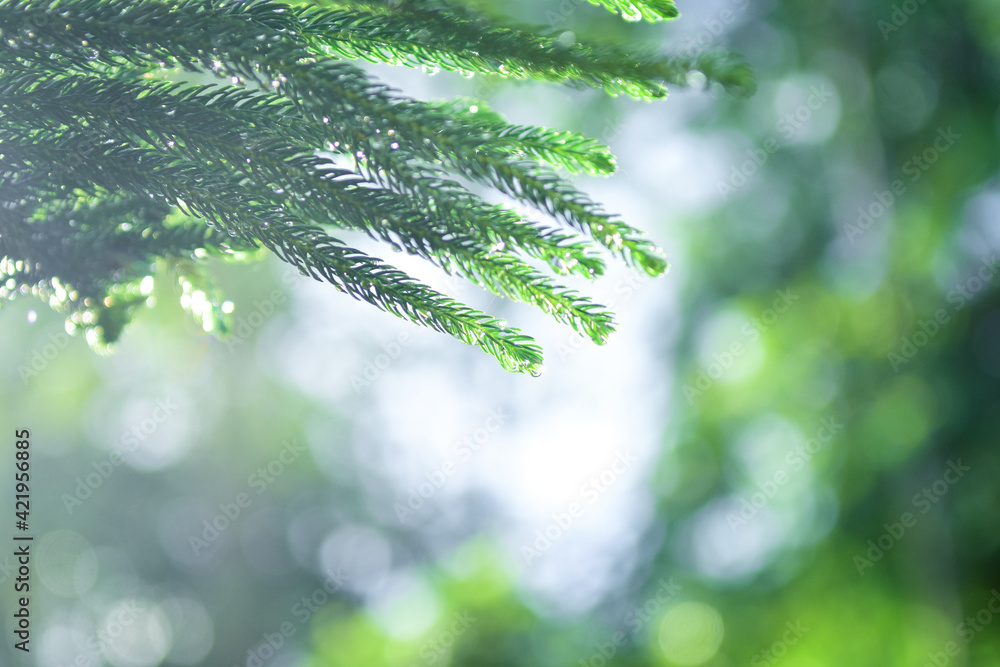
690 633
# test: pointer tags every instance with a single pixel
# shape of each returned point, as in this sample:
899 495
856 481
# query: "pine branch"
436 40
439 35
309 248
573 152
99 156
488 46
420 124
358 105
309 187
637 10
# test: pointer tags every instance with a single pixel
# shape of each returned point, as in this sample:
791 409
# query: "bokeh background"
787 456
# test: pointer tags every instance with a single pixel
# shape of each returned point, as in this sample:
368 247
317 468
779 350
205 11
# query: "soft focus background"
787 456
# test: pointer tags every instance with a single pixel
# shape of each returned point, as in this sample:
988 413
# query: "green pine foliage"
108 164
650 10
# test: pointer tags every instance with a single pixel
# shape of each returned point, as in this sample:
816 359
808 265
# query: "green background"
761 468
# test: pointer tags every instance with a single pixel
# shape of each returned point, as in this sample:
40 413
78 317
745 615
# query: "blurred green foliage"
836 371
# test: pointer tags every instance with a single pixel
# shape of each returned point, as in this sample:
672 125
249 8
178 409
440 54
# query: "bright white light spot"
732 538
579 449
406 607
194 632
807 108
361 554
154 433
144 634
